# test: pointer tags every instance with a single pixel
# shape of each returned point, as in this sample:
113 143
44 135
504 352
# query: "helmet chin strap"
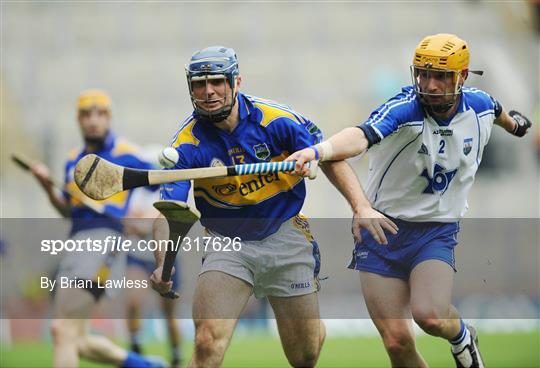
439 108
217 115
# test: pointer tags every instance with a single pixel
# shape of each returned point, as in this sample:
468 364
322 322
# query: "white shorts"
284 264
88 265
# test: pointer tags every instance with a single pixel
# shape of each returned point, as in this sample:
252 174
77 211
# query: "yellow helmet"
94 97
442 51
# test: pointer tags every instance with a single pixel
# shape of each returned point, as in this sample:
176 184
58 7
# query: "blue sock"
460 336
134 360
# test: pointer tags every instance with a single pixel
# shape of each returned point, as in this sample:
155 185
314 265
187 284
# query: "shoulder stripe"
185 134
123 147
388 106
73 153
184 123
475 90
270 114
487 112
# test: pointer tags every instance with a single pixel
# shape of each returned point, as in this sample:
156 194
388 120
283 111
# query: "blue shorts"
415 242
150 266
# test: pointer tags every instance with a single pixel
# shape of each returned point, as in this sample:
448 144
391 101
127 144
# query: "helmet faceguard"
207 66
450 82
445 58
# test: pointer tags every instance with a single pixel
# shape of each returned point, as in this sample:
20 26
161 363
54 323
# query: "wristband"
316 152
325 150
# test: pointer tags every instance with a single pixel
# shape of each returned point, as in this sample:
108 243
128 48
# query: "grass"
499 350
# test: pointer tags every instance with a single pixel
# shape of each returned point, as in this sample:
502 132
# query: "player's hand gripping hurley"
26 164
180 218
100 179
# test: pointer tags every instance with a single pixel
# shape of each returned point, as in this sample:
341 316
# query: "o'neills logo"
300 285
216 162
225 189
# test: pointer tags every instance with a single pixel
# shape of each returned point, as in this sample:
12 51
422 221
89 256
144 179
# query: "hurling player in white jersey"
425 147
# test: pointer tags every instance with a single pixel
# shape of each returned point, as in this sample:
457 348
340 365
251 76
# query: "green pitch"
499 350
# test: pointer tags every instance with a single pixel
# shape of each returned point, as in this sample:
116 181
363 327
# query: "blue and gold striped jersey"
119 152
251 206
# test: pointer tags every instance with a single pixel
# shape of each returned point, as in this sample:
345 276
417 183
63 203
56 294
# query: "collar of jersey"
109 143
461 108
245 109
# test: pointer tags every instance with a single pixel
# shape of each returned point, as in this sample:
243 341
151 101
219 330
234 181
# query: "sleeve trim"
372 135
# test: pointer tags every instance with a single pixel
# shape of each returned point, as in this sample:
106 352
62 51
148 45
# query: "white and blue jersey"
420 172
421 168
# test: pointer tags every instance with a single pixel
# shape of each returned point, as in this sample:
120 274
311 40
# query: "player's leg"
71 339
175 337
100 349
71 307
287 267
168 307
70 334
387 300
431 284
431 292
74 306
301 331
218 301
134 298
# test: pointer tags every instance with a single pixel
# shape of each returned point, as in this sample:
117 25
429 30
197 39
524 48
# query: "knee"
398 343
429 321
322 334
63 331
306 358
208 341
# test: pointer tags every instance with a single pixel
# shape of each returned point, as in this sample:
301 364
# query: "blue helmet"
213 61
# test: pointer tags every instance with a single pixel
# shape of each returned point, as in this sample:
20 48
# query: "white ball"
168 157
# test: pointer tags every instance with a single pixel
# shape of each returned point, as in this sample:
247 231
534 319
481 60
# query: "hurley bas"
76 283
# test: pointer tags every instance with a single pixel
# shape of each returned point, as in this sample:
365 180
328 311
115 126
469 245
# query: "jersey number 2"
441 146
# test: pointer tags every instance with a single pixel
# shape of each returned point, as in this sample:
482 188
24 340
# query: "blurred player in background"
425 147
140 264
73 306
278 257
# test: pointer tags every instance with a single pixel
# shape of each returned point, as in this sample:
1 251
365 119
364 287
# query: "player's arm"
513 122
349 142
160 231
342 176
57 199
171 191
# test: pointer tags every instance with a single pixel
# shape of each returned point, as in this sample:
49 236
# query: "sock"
462 339
136 342
176 354
134 360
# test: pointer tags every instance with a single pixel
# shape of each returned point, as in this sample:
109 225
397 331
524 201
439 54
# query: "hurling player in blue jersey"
425 147
74 305
275 254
